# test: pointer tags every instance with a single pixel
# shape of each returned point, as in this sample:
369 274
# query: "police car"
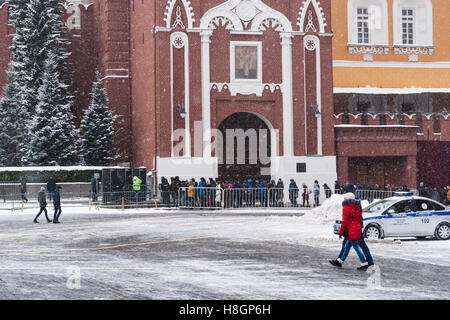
405 215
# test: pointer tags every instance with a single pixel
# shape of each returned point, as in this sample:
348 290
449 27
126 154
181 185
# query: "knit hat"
42 189
349 188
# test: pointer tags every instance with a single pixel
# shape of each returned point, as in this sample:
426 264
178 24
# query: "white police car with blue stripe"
405 215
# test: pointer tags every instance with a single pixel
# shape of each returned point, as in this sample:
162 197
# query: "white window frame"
378 23
258 45
413 21
423 18
362 18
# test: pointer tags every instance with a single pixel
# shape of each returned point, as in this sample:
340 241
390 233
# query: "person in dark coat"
51 187
305 196
423 191
327 190
293 193
23 189
42 204
337 188
57 204
351 230
165 190
95 187
280 192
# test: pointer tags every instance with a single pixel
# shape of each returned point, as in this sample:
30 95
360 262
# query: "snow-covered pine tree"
54 139
13 123
97 128
39 33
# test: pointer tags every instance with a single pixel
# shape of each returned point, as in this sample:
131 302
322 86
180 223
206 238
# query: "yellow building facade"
391 46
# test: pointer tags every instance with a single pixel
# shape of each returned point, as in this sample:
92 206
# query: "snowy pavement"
233 254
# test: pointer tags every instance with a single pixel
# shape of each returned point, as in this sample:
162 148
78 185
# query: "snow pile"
329 211
365 203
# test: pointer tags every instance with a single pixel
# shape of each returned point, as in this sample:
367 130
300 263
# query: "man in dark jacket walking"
57 204
42 204
51 187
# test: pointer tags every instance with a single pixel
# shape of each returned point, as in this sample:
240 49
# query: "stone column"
206 99
288 132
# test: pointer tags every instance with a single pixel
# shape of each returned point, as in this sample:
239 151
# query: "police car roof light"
403 194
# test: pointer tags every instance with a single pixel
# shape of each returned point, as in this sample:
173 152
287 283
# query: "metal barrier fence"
208 198
205 197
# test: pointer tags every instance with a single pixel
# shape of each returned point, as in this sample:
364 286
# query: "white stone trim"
84 3
257 89
391 64
206 95
187 9
174 43
316 40
288 108
260 12
319 13
371 90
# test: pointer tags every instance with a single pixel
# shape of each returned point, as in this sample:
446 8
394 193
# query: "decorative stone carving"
319 13
310 25
178 20
221 22
271 23
368 51
248 15
187 8
178 42
246 10
257 88
413 52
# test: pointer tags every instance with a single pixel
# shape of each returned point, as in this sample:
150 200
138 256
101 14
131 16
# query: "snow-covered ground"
232 254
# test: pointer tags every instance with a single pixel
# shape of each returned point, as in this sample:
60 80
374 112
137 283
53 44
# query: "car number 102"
425 220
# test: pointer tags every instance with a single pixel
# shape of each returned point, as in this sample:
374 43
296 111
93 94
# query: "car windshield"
379 206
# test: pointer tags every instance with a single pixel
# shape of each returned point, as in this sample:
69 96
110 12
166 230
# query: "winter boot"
35 221
336 263
363 266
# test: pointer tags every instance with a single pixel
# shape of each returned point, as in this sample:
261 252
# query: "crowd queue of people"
239 193
259 192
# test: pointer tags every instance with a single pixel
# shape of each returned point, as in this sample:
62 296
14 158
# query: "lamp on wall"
314 110
181 111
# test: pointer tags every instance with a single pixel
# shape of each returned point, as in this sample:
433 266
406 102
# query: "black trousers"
43 209
57 212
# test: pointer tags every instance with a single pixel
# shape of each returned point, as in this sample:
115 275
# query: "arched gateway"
245 148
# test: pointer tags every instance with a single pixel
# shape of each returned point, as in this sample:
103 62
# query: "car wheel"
442 231
372 232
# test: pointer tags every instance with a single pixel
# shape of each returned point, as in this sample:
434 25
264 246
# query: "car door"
424 217
398 222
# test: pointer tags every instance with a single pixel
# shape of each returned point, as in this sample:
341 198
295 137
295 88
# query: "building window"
407 26
362 20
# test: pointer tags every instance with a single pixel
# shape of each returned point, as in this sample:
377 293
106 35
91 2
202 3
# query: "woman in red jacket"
351 228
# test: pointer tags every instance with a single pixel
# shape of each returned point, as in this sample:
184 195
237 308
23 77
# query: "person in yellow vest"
136 187
191 193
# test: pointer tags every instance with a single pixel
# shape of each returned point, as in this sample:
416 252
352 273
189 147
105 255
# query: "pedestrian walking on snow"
51 187
23 189
351 229
57 204
42 204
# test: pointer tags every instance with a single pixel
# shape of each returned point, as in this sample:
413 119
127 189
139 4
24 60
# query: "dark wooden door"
243 167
